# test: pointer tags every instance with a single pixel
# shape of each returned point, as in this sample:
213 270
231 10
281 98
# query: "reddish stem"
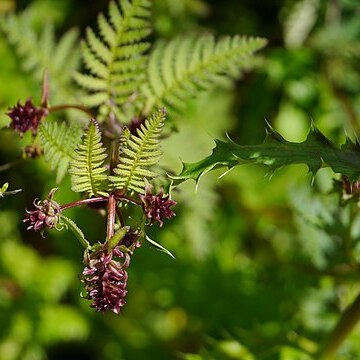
111 217
71 106
97 200
128 198
83 202
45 90
119 215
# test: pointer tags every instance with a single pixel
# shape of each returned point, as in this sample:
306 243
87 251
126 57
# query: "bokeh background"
263 266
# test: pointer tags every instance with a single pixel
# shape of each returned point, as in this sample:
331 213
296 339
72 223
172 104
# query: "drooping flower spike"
105 276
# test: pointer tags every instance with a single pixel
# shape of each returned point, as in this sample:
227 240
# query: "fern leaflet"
38 51
58 143
179 69
87 165
138 153
115 60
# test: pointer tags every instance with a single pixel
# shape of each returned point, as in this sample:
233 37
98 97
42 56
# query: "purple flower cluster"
105 278
46 215
157 207
26 117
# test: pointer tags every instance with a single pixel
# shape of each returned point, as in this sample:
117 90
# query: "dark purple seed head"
45 215
157 207
26 117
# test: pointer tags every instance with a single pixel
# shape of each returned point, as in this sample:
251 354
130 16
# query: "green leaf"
116 57
58 142
75 230
4 187
160 247
178 70
39 50
87 165
3 190
114 241
316 152
138 153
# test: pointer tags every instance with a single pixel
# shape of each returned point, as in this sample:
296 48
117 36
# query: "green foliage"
138 153
59 141
276 272
159 247
3 189
35 290
316 152
38 52
87 165
180 69
116 60
75 230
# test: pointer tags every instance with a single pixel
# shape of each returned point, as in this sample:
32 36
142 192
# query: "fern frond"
58 143
39 51
179 69
138 154
87 165
115 59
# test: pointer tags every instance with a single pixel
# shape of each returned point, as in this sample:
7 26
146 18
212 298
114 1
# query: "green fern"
58 143
139 153
39 51
87 165
179 69
115 60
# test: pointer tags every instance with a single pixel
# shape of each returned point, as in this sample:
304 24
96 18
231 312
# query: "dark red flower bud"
105 278
157 207
26 117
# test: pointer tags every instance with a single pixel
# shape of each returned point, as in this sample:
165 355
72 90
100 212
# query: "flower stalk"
349 318
111 217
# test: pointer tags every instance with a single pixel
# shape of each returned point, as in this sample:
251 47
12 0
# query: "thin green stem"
349 318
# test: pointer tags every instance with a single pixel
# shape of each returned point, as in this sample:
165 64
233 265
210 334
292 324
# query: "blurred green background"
263 267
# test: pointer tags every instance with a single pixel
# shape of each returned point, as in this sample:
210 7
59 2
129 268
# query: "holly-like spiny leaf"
316 152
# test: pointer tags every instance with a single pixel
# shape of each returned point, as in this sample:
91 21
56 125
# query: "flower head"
105 278
157 207
26 117
45 215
